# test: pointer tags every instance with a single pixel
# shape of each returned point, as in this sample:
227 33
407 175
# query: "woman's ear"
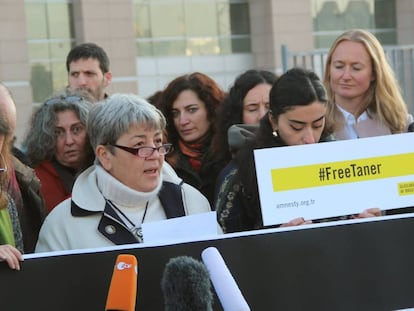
273 124
272 121
104 157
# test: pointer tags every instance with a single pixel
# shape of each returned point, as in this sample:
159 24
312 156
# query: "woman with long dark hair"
190 103
298 104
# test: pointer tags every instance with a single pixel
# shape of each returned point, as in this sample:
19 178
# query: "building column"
14 60
277 22
405 21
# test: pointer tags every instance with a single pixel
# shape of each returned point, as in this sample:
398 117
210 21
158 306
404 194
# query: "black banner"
358 266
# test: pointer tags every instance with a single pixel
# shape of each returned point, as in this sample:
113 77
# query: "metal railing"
401 59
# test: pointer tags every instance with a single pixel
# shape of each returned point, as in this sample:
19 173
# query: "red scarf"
193 152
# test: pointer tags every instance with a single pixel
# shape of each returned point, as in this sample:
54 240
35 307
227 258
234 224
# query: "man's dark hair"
88 50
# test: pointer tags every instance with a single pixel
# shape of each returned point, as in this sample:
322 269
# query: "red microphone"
122 292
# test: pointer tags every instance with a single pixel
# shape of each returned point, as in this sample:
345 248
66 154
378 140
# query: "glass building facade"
50 37
191 27
166 29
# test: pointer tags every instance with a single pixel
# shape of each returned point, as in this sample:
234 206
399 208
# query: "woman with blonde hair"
364 96
11 241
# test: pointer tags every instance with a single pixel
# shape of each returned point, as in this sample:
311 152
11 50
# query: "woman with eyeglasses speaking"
129 184
57 144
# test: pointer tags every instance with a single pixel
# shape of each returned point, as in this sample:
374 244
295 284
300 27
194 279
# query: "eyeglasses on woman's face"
145 151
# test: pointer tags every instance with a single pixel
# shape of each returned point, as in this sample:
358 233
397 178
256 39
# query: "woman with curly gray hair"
57 144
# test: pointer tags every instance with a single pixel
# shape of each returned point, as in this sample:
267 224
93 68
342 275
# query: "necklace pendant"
137 232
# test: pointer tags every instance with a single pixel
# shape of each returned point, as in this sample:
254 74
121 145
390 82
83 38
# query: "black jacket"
29 203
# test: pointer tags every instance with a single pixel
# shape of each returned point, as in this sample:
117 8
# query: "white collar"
120 194
350 118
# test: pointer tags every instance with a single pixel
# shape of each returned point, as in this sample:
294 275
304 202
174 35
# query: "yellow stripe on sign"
335 173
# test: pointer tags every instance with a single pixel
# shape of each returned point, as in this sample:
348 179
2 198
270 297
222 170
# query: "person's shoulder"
86 179
25 175
190 195
190 189
227 184
238 135
58 218
230 169
54 230
88 172
194 200
46 168
62 210
21 167
86 193
169 174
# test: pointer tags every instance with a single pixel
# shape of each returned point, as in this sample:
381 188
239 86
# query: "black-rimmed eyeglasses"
146 151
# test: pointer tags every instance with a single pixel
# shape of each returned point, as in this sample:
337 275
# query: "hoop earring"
274 133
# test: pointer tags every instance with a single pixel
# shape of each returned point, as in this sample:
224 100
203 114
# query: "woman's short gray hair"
112 117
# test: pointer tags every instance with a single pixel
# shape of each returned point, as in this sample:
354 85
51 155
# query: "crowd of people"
96 166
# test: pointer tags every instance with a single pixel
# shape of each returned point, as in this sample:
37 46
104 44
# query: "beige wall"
262 34
14 60
110 24
405 21
277 22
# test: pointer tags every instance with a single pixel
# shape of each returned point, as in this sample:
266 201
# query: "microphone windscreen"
228 292
122 292
186 285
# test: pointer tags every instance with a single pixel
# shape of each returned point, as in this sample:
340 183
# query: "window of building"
331 18
191 27
50 37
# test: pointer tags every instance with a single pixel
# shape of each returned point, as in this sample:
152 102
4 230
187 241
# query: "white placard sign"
335 178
